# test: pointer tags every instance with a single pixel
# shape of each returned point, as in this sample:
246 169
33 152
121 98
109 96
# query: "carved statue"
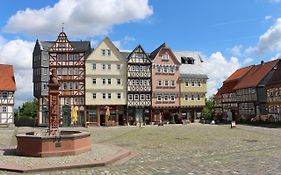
54 78
107 113
74 115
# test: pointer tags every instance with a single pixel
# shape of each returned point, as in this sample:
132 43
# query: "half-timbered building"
68 59
139 87
273 91
106 84
7 90
165 84
251 92
193 84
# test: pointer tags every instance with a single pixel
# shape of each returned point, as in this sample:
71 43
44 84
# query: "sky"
227 34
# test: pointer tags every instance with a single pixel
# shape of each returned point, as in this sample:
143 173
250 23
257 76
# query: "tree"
208 110
27 113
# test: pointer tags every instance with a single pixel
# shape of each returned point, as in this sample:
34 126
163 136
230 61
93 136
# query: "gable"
61 44
106 51
166 56
138 55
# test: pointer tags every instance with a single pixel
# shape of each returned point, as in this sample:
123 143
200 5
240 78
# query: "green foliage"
208 110
27 114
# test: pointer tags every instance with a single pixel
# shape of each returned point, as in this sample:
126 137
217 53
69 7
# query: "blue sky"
228 34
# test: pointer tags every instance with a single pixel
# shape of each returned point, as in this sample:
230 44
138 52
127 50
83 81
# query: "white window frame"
142 97
118 81
103 66
186 83
158 69
166 97
173 83
147 96
109 66
136 96
199 84
94 66
109 95
103 95
103 81
165 56
159 83
4 109
118 95
166 83
94 95
192 97
103 52
159 97
118 66
130 96
165 69
192 83
109 81
108 52
172 98
186 97
94 81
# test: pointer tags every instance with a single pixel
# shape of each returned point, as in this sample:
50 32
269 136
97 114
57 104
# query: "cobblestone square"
185 149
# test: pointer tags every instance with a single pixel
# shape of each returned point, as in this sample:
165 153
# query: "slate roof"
155 52
276 77
7 79
199 76
79 46
256 75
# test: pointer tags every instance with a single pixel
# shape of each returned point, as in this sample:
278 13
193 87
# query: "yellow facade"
109 72
190 92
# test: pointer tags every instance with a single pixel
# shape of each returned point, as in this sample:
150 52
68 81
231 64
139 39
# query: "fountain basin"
42 145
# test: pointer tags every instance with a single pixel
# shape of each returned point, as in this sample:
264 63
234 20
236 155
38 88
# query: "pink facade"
165 79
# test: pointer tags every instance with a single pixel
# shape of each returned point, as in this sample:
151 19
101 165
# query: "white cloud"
267 18
275 1
19 54
270 41
236 50
248 60
218 68
82 18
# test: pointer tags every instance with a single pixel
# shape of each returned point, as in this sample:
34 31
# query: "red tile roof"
233 80
239 73
256 75
7 79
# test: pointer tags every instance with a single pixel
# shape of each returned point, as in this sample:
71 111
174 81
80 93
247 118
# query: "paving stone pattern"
189 149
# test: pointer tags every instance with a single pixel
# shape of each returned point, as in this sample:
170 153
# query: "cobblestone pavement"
190 149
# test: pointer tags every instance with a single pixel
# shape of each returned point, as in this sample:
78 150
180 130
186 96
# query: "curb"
119 156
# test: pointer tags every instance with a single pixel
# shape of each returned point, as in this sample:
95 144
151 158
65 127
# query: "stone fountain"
53 141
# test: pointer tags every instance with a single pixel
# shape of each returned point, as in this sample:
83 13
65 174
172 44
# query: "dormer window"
165 56
187 60
105 52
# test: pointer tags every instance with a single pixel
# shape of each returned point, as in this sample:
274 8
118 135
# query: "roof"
130 54
196 68
239 73
276 77
155 52
77 45
199 76
7 79
228 86
256 75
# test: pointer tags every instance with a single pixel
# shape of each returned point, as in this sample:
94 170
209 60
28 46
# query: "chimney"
262 62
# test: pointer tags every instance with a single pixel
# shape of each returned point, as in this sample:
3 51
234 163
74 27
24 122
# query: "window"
103 67
159 98
94 66
166 98
44 86
64 85
158 69
103 81
186 97
103 52
71 85
172 70
118 81
165 69
108 81
186 83
75 71
45 71
192 84
198 97
64 71
118 95
147 96
94 95
173 84
109 66
4 109
108 52
172 98
94 81
75 85
165 56
192 97
199 84
109 95
70 71
103 96
130 97
59 71
159 83
166 83
118 66
5 94
142 96
136 96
